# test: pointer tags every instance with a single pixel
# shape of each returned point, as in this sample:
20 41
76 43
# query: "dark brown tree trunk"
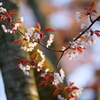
17 85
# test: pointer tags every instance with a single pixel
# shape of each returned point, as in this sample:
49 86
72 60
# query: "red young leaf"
33 55
72 96
79 50
97 30
48 77
71 83
21 43
38 25
13 12
97 34
66 87
56 92
22 61
37 29
86 8
91 4
17 40
45 83
14 31
48 30
8 18
20 28
6 13
84 48
94 11
19 22
74 88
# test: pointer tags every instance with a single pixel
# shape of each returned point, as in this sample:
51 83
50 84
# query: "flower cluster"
50 40
40 64
78 16
77 45
2 9
86 37
72 90
25 64
75 48
33 37
58 77
5 16
25 69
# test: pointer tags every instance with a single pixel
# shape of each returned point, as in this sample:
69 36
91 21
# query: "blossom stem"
58 61
90 18
20 32
49 48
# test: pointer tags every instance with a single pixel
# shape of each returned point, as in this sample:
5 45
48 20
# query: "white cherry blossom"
16 26
87 33
62 73
1 3
83 26
58 77
72 99
4 28
30 32
25 69
2 9
31 46
73 44
71 54
63 48
91 41
60 97
50 40
36 36
77 92
40 64
22 19
44 73
78 16
23 48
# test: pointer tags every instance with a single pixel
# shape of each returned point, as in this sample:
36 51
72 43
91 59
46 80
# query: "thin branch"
90 18
49 48
58 61
20 32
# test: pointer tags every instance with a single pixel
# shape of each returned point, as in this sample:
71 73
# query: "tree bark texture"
17 85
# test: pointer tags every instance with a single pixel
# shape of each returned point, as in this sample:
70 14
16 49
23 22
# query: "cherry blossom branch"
63 51
42 44
87 28
74 41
